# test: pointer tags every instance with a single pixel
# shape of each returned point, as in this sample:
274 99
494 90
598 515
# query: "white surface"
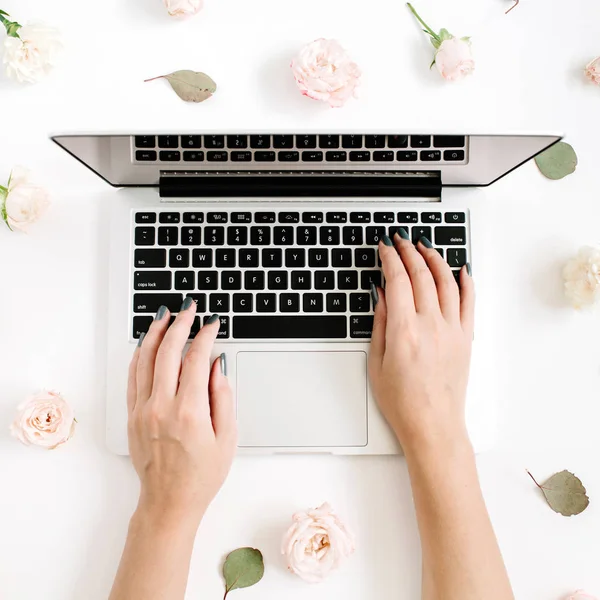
65 513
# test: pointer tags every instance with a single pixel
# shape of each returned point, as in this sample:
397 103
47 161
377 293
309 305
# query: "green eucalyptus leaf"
191 86
564 493
558 161
243 567
445 35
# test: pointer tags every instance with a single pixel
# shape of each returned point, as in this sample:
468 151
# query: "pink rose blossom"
323 71
580 595
592 71
454 60
316 544
45 420
183 8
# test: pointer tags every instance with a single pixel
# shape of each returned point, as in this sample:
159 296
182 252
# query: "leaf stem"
154 78
536 483
429 30
513 6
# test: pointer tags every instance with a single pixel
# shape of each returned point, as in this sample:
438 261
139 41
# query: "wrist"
435 451
166 519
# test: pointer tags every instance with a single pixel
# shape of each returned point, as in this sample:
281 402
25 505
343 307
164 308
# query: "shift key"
150 303
152 280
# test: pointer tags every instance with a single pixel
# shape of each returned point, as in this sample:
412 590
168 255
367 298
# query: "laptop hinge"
300 184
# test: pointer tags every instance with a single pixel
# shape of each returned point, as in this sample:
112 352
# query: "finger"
222 406
467 300
399 295
147 356
447 290
423 286
168 357
132 377
377 348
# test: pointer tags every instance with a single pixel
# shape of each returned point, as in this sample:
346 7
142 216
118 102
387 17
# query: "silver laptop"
278 233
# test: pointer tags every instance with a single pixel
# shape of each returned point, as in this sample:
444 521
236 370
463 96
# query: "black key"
277 280
408 217
329 236
241 156
145 217
448 141
283 141
144 236
419 232
383 156
152 280
193 156
216 217
272 258
221 156
450 236
145 155
169 155
431 155
306 141
406 155
237 141
191 141
225 257
360 217
141 325
190 236
260 142
373 235
208 280
312 156
288 156
318 257
364 257
336 156
264 217
237 236
260 236
396 229
223 327
150 258
324 280
185 280
248 257
451 155
179 257
290 327
361 327
254 280
242 303
360 156
283 236
202 257
440 251
366 277
145 141
214 236
289 303
420 141
352 236
218 303
195 328
336 302
266 303
457 257
214 141
384 217
456 276
312 217
352 141
289 217
301 280
312 302
375 141
336 217
168 217
454 217
329 141
347 280
295 257
360 303
264 156
168 141
231 280
397 141
241 217
199 299
150 303
168 236
431 217
193 217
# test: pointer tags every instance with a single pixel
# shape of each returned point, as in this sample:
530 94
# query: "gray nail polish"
160 313
212 319
141 339
374 295
187 303
386 240
425 242
469 272
224 364
403 233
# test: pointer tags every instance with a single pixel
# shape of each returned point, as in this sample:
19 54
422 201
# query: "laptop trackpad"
297 399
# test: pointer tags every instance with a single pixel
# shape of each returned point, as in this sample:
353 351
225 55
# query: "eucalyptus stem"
429 30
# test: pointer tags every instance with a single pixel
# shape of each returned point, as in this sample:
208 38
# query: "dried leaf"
565 493
558 161
191 86
243 567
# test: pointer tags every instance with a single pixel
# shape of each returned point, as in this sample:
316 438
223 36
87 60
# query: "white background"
64 514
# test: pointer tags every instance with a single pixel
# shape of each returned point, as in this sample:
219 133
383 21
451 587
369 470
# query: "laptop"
277 233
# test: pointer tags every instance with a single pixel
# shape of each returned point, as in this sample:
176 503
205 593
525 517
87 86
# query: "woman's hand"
421 345
182 424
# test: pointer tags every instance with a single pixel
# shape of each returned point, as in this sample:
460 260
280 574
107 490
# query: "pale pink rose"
183 8
316 544
323 71
45 420
592 71
454 59
581 275
580 595
23 202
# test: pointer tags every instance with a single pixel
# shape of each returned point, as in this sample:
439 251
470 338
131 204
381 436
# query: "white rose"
183 8
582 278
22 203
32 55
580 595
454 59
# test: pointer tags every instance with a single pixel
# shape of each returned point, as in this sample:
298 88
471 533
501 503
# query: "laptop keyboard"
276 274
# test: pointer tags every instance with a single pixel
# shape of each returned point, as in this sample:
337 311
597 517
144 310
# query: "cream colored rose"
31 56
454 59
323 71
22 203
582 278
580 595
45 420
183 8
592 71
316 544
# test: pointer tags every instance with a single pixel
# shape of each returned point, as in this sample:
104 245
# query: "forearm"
461 557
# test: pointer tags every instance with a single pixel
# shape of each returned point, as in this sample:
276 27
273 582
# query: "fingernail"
374 295
386 240
187 303
425 242
403 233
141 339
469 272
212 319
224 364
160 313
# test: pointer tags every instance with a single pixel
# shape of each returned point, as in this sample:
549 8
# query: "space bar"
318 327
